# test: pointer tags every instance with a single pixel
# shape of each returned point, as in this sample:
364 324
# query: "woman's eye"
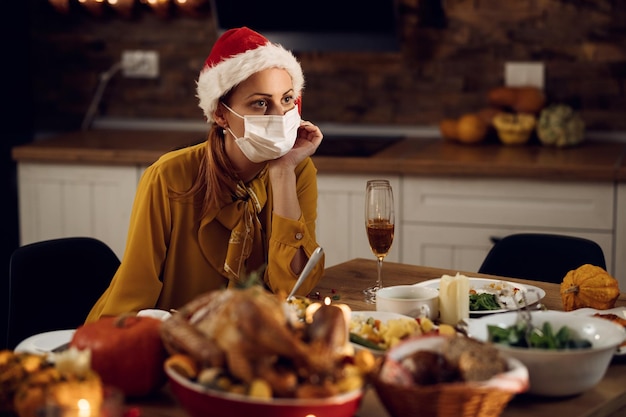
259 104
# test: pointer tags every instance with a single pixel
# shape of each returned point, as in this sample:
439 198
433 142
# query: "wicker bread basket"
459 399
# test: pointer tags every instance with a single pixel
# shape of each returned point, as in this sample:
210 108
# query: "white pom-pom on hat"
236 55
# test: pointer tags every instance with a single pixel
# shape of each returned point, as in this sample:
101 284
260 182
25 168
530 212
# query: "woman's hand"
308 140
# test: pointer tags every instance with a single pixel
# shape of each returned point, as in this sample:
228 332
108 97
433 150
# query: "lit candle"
453 299
329 323
84 408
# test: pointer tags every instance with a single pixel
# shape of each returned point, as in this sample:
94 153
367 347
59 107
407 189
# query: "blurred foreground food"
249 341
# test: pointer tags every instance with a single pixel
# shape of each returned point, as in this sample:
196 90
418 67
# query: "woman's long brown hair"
216 177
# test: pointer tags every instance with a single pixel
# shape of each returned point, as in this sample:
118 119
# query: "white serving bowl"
565 372
409 300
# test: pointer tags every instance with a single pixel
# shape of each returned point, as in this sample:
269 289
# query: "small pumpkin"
589 286
521 99
127 352
471 128
448 129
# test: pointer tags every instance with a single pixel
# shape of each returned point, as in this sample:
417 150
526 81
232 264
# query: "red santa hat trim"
236 55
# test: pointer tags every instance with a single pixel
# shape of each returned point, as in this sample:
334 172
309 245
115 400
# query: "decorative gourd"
589 286
559 125
514 129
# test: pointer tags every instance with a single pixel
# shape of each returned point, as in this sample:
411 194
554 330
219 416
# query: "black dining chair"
540 257
54 283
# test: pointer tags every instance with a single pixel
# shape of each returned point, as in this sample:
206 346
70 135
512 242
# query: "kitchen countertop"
590 161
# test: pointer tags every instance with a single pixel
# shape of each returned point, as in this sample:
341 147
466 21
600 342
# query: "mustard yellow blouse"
171 256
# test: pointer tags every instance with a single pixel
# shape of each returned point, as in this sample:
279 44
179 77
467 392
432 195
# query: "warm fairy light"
327 301
125 7
84 408
122 7
95 7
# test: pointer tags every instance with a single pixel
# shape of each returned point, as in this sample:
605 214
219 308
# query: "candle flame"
84 408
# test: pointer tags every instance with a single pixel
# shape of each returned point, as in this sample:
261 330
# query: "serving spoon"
313 260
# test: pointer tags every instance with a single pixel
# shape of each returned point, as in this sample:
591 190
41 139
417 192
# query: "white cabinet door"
523 203
76 200
464 248
449 223
341 221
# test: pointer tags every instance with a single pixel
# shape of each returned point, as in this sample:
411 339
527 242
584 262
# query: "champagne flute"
379 225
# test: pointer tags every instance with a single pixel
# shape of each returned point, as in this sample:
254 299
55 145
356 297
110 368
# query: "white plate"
619 311
383 316
533 294
45 342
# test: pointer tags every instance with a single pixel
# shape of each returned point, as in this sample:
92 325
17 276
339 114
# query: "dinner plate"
45 342
619 311
383 316
533 294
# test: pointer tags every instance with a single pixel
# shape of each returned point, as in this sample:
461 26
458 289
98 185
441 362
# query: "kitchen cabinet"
440 222
451 200
340 217
451 222
59 200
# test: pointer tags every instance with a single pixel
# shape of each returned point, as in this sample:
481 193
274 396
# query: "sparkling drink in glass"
379 226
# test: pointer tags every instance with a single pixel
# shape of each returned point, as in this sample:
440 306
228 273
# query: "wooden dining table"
344 283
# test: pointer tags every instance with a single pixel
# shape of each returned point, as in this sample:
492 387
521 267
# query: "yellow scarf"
241 217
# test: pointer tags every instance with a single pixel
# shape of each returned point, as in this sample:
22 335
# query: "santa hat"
236 55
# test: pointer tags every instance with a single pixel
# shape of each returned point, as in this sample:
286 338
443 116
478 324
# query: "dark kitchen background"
450 54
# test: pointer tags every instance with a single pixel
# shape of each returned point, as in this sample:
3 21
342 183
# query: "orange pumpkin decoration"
529 100
589 286
448 129
522 99
471 128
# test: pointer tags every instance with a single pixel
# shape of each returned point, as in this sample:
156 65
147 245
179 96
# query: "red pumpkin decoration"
126 351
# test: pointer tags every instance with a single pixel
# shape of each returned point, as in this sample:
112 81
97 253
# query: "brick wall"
450 57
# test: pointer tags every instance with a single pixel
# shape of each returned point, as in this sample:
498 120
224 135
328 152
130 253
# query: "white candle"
453 299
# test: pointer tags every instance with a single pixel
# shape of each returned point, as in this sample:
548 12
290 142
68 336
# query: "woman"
245 201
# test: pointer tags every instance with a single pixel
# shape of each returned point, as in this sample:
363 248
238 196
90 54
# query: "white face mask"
267 137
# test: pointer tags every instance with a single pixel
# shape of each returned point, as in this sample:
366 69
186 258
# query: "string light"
160 7
125 8
95 7
122 7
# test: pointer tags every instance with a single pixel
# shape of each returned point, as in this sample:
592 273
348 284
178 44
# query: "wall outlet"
524 74
140 64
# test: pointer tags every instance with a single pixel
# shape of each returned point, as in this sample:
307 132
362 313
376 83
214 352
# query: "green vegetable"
485 301
355 338
559 125
519 335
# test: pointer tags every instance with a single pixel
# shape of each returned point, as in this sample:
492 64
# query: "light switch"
524 74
